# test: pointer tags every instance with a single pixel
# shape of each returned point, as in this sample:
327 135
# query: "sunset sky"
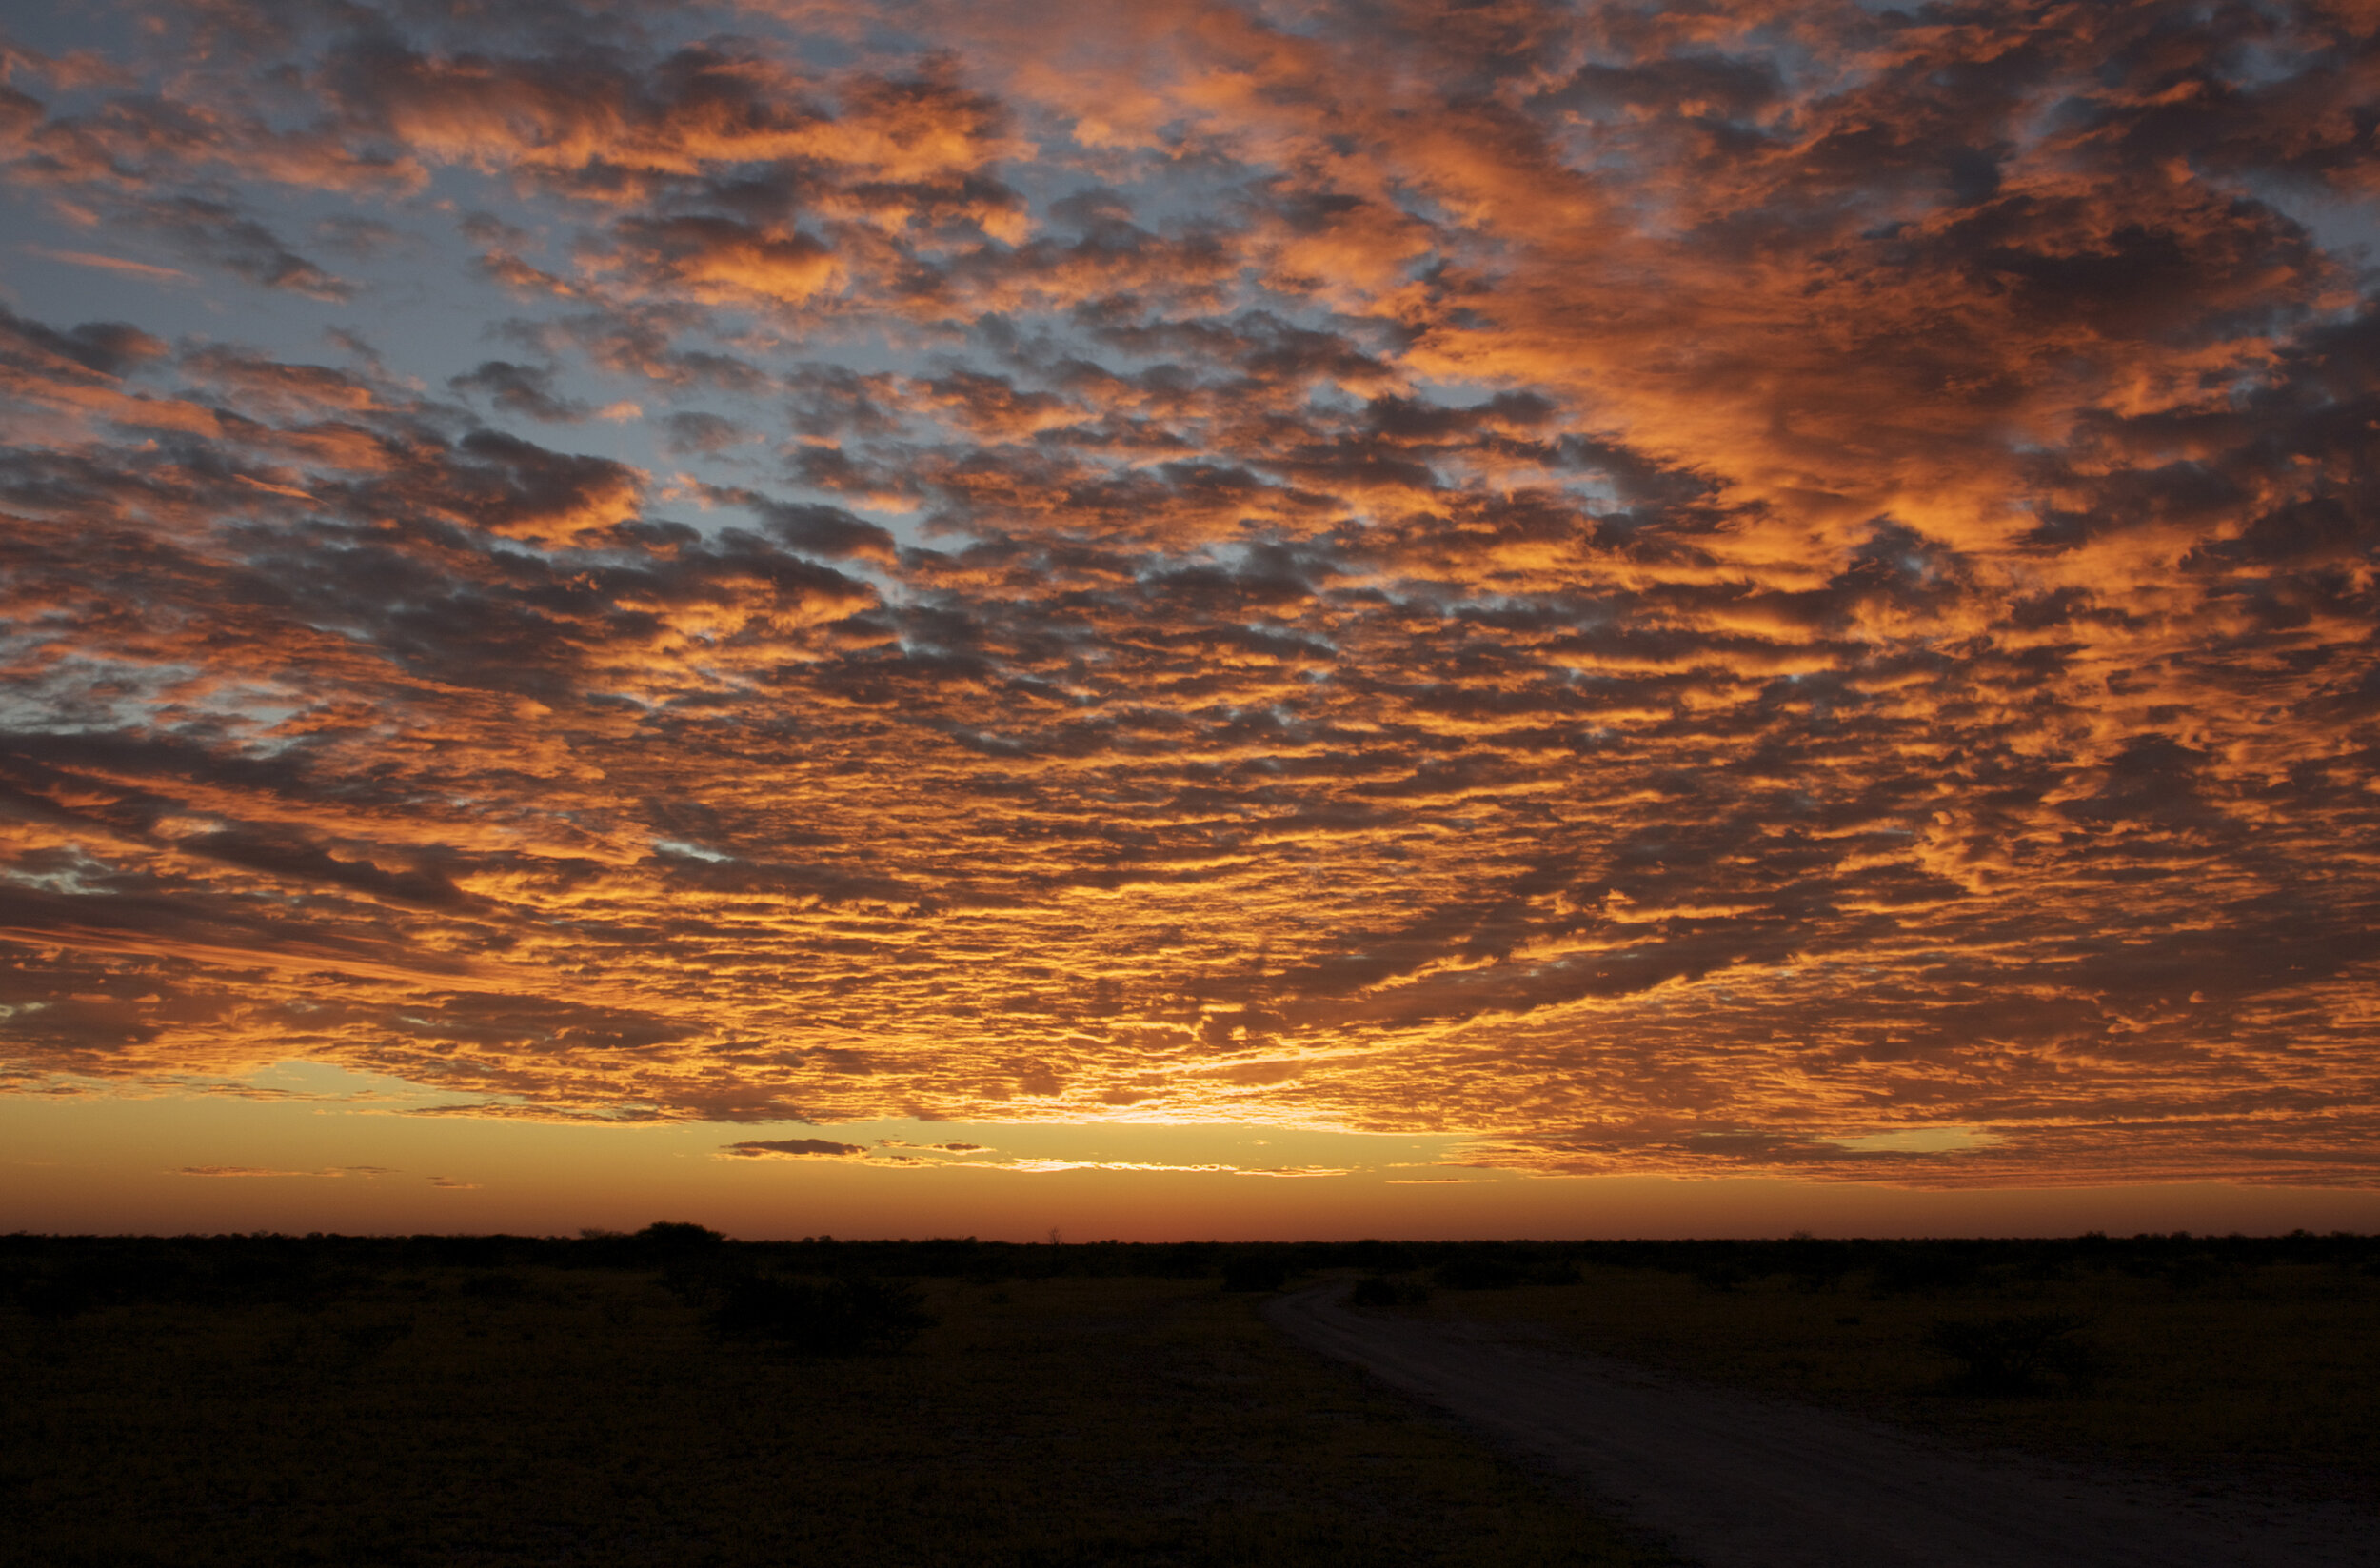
1189 618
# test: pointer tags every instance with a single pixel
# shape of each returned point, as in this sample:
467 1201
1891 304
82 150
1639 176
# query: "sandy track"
1736 1480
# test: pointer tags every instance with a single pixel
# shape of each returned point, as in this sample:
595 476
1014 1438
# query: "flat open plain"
1740 1480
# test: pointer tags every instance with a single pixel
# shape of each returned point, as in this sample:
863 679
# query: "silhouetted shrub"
2013 1355
1254 1271
1379 1290
837 1318
1921 1267
1180 1260
367 1339
494 1286
1815 1265
667 1242
1469 1272
1498 1270
696 1264
1722 1275
1381 1257
2196 1270
63 1294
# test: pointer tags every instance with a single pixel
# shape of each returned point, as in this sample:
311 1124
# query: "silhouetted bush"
1722 1275
672 1242
837 1318
1471 1272
2013 1355
494 1286
1180 1260
1815 1265
1381 1257
367 1339
1500 1268
67 1277
1922 1266
1254 1271
1379 1290
63 1294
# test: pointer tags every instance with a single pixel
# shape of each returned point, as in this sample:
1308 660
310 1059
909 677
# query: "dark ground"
1739 1479
277 1401
669 1397
2242 1364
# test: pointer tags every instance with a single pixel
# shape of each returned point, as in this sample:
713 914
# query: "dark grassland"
671 1398
2248 1362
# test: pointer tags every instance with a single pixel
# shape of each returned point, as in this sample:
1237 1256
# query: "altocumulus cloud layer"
1660 584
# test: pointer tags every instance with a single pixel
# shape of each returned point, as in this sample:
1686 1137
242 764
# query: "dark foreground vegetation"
2234 1362
670 1398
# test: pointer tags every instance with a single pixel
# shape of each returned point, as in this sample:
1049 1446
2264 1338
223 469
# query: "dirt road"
1736 1480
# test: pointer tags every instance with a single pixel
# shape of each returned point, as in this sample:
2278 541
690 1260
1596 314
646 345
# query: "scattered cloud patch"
367 1172
792 1148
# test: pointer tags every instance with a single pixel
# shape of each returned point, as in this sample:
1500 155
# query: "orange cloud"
1670 591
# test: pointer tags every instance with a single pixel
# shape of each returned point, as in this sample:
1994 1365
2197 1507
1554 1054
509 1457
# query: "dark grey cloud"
526 389
762 1148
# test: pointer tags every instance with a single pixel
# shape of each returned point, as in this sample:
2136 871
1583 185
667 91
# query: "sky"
1368 616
